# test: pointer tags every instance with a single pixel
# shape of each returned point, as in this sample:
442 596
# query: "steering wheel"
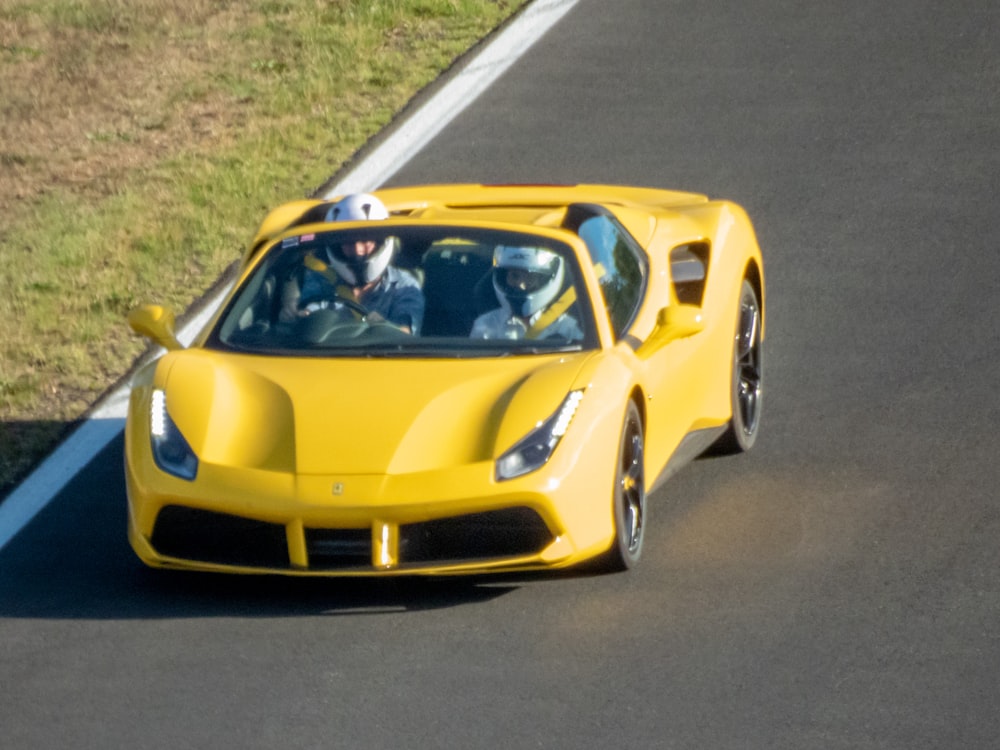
327 325
354 306
364 313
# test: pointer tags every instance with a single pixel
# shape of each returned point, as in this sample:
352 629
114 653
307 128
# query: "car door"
669 374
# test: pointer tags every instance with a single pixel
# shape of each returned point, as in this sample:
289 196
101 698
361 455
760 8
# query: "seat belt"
315 264
550 316
557 308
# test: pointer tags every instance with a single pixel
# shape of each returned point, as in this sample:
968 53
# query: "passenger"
527 281
359 272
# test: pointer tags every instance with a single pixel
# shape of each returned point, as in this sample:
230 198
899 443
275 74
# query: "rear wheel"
747 378
629 496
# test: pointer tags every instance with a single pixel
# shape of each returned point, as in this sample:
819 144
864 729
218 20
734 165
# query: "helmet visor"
523 280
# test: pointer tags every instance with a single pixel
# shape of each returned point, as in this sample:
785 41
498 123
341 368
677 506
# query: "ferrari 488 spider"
564 349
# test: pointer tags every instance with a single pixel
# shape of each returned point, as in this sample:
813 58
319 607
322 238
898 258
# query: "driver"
527 281
359 272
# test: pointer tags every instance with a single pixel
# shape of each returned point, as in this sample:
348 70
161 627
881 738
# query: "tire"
629 496
747 383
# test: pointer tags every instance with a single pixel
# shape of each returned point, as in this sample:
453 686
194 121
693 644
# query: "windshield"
384 290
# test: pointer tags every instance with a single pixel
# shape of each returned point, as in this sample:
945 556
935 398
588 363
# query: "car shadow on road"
73 561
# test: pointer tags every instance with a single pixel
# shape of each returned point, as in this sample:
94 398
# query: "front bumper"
260 522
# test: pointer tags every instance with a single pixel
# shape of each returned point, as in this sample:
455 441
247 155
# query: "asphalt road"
838 587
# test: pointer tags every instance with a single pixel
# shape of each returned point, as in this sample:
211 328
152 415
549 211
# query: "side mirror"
672 323
155 323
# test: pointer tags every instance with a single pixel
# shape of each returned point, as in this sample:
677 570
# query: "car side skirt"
693 445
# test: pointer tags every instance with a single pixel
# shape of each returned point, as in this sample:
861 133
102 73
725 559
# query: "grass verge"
141 141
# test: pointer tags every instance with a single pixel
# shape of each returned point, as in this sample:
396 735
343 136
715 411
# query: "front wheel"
747 383
629 496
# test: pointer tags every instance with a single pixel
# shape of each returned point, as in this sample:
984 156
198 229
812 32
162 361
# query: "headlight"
170 450
536 447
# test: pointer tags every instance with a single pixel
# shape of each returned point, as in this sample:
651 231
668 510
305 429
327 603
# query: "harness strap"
315 264
557 308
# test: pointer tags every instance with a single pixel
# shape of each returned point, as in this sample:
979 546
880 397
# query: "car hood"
359 416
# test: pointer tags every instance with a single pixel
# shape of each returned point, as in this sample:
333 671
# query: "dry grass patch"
142 140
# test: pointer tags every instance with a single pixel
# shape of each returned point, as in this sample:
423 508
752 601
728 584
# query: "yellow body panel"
365 459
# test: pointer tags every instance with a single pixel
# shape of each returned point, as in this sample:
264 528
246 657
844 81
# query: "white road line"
108 417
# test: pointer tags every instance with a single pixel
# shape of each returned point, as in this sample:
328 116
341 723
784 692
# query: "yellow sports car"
448 379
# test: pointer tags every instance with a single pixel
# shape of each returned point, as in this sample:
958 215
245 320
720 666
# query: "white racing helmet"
362 269
357 207
526 279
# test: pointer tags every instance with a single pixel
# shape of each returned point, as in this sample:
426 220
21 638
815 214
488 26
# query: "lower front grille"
511 532
222 539
338 549
206 536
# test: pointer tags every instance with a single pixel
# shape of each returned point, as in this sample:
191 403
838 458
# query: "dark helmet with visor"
526 279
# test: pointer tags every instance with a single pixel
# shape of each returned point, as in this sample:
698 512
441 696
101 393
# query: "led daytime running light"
158 414
566 414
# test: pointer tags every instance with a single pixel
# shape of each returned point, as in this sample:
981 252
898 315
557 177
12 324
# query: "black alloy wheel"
629 495
748 376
